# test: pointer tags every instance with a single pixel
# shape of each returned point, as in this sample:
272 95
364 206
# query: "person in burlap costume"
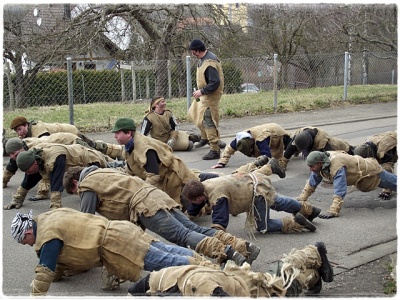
153 160
204 111
301 269
253 194
344 170
266 140
66 239
382 147
125 197
310 138
25 129
15 145
49 162
160 123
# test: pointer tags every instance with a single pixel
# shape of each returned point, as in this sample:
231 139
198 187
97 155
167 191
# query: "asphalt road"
365 220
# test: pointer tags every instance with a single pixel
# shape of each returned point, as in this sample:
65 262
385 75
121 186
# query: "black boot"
315 213
325 270
201 143
276 168
253 250
212 155
194 137
235 256
140 287
261 160
300 219
221 144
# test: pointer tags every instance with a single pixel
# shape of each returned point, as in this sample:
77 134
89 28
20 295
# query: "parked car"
249 88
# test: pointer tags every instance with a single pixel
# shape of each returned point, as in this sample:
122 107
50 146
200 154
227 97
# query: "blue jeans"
161 256
388 180
176 228
281 203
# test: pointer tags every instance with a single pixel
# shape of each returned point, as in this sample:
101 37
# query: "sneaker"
194 137
300 219
235 256
212 155
201 143
253 250
315 213
276 168
325 270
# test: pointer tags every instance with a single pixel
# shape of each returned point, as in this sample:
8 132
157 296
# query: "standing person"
366 174
301 269
309 138
153 160
382 147
204 113
269 140
50 161
125 197
66 239
160 123
253 194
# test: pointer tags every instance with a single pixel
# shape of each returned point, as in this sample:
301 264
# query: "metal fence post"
275 81
169 79
123 93
188 82
346 74
70 91
133 82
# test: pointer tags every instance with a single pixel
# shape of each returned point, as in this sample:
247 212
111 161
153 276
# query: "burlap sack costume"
131 199
173 172
236 281
260 132
198 108
38 128
161 130
90 241
322 138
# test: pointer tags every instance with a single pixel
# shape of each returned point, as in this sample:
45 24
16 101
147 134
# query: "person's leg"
260 213
286 204
173 249
164 224
185 221
388 180
156 259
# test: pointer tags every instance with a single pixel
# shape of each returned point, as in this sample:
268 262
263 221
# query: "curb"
365 256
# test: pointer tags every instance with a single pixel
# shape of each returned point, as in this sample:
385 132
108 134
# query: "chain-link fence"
135 83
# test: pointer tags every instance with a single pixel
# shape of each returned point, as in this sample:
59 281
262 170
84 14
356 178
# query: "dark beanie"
244 146
197 45
25 160
14 144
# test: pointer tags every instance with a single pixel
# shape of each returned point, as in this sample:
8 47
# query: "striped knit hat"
20 224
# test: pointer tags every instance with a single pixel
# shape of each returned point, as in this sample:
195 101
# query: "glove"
384 195
218 166
326 215
36 198
171 143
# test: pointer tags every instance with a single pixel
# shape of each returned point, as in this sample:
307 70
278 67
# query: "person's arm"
264 148
89 202
220 214
290 149
57 174
45 270
146 126
314 180
212 79
340 183
172 122
194 209
226 155
152 162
